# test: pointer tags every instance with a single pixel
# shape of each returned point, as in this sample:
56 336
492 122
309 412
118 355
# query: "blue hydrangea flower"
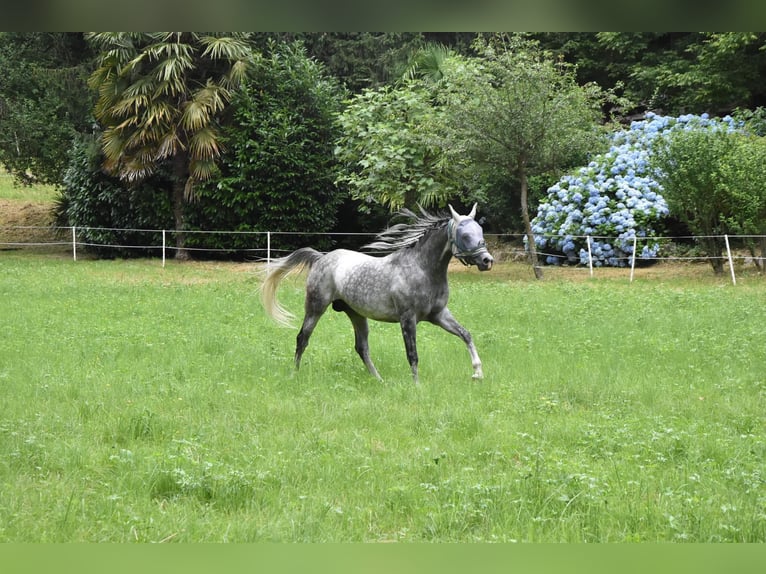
614 199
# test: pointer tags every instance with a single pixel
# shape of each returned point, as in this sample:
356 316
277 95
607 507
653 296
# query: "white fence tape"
267 253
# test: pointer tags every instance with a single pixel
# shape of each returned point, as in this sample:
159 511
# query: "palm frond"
130 106
180 52
205 103
428 63
168 90
157 112
195 117
205 144
168 145
202 169
112 144
225 47
138 166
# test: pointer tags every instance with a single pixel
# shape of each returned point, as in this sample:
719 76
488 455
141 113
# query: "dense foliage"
714 177
452 132
388 152
465 128
160 99
516 113
676 72
106 211
278 171
44 102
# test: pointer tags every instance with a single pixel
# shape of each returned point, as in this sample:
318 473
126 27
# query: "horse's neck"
434 250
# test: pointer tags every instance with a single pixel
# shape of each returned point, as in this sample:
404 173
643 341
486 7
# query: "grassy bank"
26 212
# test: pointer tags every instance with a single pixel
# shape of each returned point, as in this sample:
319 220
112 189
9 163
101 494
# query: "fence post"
633 260
731 263
74 243
590 256
163 249
268 249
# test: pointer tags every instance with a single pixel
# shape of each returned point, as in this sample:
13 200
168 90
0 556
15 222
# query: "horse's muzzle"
484 261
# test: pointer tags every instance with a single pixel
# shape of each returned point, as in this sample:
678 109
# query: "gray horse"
407 285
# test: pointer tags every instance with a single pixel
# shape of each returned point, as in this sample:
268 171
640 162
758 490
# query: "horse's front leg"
409 328
446 321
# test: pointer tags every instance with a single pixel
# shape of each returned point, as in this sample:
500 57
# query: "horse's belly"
382 301
365 287
376 313
373 301
370 287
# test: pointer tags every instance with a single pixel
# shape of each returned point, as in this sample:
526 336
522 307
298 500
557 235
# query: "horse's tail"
278 270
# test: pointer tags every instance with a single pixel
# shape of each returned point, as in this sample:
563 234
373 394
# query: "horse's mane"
406 234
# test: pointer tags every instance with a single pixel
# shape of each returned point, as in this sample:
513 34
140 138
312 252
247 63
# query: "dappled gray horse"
407 285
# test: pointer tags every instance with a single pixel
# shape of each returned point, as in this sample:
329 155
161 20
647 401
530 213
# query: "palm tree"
428 63
160 96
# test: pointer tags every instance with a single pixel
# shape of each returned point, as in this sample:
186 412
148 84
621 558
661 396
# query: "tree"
44 102
689 71
278 170
692 168
160 96
362 60
744 181
429 63
388 148
517 112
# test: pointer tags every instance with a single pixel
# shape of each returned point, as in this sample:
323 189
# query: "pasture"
143 404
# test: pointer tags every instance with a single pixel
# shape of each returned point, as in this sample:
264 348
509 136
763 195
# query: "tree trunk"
180 177
531 247
715 252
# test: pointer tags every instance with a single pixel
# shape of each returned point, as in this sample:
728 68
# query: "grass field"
150 404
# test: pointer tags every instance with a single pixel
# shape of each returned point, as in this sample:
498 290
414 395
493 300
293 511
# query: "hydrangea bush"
614 199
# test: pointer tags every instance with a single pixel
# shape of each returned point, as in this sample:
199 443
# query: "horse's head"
467 240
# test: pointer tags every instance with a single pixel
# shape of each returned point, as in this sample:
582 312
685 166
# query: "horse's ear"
455 216
472 215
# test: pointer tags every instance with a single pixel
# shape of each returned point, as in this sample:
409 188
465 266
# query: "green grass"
142 404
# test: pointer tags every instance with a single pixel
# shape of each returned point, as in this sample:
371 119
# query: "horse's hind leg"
314 310
361 330
446 321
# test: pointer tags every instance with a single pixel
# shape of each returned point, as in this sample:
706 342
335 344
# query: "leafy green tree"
688 72
388 148
429 63
364 60
695 168
44 102
519 113
278 170
743 180
160 97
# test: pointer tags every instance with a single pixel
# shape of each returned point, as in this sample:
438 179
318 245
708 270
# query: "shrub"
107 210
278 171
714 180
